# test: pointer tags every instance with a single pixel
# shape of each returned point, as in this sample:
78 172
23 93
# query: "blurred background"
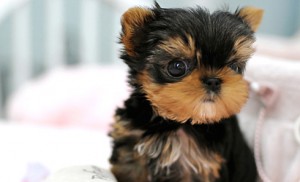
60 72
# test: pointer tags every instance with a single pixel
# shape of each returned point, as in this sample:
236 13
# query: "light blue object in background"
281 18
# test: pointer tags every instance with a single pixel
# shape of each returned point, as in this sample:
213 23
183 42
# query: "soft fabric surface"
82 174
83 96
86 97
61 120
279 152
30 153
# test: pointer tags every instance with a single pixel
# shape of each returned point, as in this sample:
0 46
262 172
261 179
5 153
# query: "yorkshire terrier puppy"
186 69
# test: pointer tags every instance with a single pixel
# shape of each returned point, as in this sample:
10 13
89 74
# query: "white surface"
53 148
82 174
81 96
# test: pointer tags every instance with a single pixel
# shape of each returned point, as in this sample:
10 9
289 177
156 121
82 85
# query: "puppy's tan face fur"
219 55
189 99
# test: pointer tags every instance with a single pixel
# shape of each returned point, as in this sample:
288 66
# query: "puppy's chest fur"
176 151
168 152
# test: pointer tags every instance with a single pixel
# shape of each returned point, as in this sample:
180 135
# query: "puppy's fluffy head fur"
189 62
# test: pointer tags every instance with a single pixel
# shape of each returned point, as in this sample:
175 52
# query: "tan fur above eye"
176 47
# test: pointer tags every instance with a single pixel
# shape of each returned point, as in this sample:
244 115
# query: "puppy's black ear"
133 32
252 16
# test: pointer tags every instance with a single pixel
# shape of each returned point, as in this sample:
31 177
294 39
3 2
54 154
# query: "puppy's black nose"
212 84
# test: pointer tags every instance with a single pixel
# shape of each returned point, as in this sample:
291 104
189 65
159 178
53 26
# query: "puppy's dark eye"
177 68
236 68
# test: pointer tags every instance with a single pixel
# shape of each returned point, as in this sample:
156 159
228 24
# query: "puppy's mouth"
210 98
